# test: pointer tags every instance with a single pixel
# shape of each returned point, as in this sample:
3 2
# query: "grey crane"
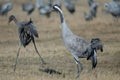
113 8
44 9
88 16
93 10
28 7
78 46
70 5
5 8
27 32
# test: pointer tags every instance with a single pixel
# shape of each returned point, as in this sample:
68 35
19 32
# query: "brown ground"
51 47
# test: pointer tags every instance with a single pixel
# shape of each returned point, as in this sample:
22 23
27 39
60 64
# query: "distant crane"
78 46
70 5
88 16
5 8
93 10
27 31
113 8
28 7
44 9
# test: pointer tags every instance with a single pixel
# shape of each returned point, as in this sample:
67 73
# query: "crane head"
56 7
11 18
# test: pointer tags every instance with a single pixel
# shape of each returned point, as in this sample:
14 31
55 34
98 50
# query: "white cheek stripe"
59 9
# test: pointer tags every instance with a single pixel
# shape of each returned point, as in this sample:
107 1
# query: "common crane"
27 32
70 5
28 7
5 8
113 8
93 10
88 16
78 46
44 9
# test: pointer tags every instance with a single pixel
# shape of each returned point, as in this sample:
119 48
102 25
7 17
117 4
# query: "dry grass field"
51 47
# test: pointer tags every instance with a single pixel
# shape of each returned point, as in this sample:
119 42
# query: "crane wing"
30 28
33 30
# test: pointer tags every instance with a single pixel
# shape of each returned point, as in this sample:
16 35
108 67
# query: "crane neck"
61 15
65 28
16 21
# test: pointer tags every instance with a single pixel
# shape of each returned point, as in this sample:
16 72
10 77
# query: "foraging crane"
70 6
88 16
44 9
93 10
5 8
27 32
113 8
78 46
28 7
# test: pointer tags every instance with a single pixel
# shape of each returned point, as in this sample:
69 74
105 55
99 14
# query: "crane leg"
16 60
38 53
79 67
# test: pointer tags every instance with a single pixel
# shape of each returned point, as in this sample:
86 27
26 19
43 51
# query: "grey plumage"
93 10
88 16
27 32
28 7
78 46
5 8
70 5
44 9
113 8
